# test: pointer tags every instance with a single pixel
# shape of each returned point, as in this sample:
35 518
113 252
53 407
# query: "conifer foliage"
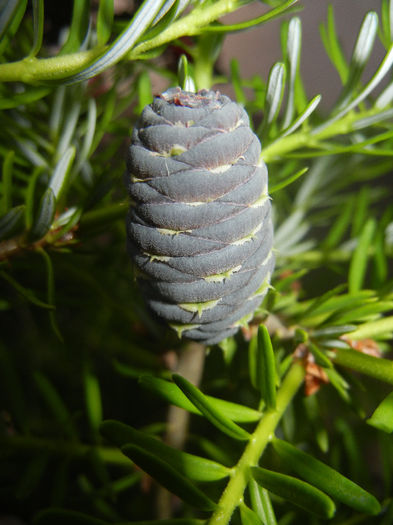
107 416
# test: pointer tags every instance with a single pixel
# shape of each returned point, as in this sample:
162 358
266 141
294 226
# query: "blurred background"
259 48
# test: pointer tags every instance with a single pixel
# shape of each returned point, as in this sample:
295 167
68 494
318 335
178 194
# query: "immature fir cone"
199 227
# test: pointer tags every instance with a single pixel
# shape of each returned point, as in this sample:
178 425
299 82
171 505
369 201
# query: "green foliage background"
77 346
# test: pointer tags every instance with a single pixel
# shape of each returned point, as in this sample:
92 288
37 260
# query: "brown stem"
10 248
189 365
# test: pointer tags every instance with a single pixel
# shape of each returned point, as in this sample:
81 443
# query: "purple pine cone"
199 227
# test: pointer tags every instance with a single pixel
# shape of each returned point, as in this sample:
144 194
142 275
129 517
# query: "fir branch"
316 139
33 70
233 493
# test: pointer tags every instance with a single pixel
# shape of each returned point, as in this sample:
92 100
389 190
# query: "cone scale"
199 228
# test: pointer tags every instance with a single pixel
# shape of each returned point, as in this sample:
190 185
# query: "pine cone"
199 227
